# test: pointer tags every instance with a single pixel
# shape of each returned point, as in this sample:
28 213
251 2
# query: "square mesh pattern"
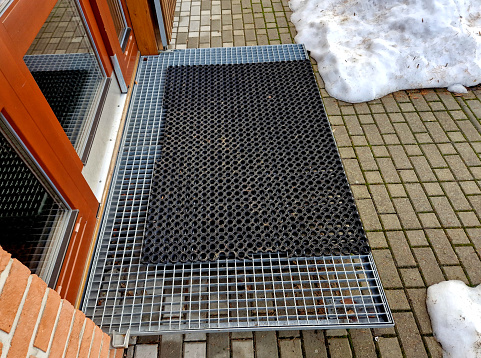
124 293
249 164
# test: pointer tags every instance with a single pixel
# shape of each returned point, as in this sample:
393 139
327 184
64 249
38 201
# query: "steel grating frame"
267 292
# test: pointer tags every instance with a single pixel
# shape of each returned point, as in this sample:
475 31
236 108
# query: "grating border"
267 292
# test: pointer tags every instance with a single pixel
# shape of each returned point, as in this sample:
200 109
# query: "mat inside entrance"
248 165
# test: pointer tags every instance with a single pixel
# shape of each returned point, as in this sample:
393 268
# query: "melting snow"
366 49
455 311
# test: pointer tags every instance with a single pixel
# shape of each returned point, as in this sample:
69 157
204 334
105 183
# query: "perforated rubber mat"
248 165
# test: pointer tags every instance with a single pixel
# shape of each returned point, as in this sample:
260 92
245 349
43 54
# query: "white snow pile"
366 49
455 311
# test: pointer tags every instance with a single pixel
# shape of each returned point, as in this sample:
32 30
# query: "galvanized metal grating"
80 115
266 292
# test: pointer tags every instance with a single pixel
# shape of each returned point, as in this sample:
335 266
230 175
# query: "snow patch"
367 49
457 88
455 311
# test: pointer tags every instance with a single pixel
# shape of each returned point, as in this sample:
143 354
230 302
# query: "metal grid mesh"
80 115
267 292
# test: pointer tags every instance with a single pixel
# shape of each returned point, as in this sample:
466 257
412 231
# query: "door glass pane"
65 66
33 219
119 18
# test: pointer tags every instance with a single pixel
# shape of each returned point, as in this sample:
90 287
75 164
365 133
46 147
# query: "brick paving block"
363 343
401 160
366 158
470 187
194 350
423 138
404 133
366 119
73 344
417 298
469 131
467 153
408 176
437 133
390 221
433 189
381 199
347 153
146 350
411 277
87 339
449 101
289 333
47 322
242 349
418 197
442 247
362 108
384 123
447 149
368 215
290 348
384 332
241 335
171 346
360 192
197 336
396 190
388 170
339 348
341 136
456 137
406 213
380 151
416 238
415 122
397 300
62 330
474 235
390 104
445 212
423 169
469 219
428 264
387 268
434 348
420 104
400 248
336 333
314 344
266 344
433 155
455 273
218 345
444 174
376 239
409 336
374 177
389 347
359 141
457 166
372 134
429 220
391 139
471 263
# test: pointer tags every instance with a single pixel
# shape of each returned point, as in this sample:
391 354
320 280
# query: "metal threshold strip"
267 291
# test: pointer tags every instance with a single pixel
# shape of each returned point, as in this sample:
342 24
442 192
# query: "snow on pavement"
455 312
366 49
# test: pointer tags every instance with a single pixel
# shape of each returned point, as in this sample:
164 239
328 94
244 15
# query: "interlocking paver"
290 348
314 344
242 349
471 263
411 341
428 264
266 344
400 248
339 348
389 347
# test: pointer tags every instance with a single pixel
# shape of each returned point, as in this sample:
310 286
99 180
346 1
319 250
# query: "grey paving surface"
412 159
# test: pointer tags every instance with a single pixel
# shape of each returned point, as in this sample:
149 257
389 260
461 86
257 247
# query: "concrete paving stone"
455 273
423 169
469 219
374 177
195 350
363 343
408 176
471 263
332 107
148 339
404 133
449 101
381 199
372 134
474 235
444 174
467 153
416 238
436 132
362 108
290 348
400 248
437 106
390 104
396 190
197 336
420 104
377 108
390 221
407 107
434 348
289 334
430 95
380 151
456 137
314 344
469 130
387 268
341 136
353 171
411 277
130 352
401 160
406 213
429 220
336 333
459 169
433 155
423 138
266 344
360 192
351 121
417 299
242 349
447 149
397 300
388 170
401 96
366 119
415 122
241 335
442 247
146 350
397 118
418 197
347 153
433 189
457 236
376 239
475 201
339 348
348 110
389 347
476 172
390 139
171 346
444 211
218 345
383 332
359 140
428 265
383 123
409 336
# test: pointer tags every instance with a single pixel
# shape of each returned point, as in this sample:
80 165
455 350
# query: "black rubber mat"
249 164
63 90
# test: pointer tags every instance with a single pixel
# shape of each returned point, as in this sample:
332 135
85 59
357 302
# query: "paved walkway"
413 162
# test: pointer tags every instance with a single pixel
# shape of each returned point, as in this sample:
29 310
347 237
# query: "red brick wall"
35 322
